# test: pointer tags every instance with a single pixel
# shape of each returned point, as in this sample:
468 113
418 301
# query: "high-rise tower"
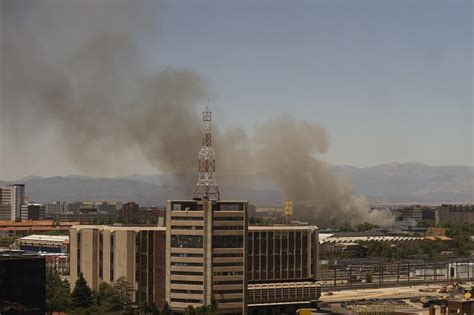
206 186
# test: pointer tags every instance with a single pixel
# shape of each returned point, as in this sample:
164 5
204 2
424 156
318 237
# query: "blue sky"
390 80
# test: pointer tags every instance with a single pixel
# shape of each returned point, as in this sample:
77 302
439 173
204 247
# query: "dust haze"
78 94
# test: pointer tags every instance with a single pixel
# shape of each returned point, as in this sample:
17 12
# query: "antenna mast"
206 186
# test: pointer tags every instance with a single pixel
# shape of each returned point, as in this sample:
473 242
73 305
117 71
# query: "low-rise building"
12 229
43 243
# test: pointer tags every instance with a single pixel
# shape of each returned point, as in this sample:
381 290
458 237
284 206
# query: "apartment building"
282 267
105 253
205 256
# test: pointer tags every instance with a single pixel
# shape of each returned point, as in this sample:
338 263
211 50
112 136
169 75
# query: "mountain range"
387 183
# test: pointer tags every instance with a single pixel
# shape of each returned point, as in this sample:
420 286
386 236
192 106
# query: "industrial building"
105 253
205 256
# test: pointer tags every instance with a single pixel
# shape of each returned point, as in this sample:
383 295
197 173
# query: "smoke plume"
287 149
78 92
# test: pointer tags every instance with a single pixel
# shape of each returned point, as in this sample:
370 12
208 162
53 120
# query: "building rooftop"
46 238
136 228
282 227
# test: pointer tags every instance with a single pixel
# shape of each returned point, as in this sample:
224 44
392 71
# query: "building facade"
456 213
14 196
106 253
32 212
129 212
205 256
282 265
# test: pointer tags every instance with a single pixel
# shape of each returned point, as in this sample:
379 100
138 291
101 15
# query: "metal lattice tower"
206 186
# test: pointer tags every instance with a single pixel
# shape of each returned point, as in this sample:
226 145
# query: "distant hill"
396 182
73 188
412 182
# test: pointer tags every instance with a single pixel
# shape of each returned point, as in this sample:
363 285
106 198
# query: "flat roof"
135 228
46 238
282 227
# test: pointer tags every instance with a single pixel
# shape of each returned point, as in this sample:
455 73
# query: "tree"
149 309
368 277
122 294
57 292
82 294
190 310
166 309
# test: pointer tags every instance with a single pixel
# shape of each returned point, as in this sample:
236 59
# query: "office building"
105 253
282 268
22 284
419 213
56 208
32 212
205 256
14 196
5 212
129 212
456 213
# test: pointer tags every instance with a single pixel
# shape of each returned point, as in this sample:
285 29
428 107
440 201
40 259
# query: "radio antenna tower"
206 186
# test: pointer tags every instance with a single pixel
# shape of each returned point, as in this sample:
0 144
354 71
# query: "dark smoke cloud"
76 87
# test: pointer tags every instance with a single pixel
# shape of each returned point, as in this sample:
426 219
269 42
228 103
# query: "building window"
78 253
112 239
186 241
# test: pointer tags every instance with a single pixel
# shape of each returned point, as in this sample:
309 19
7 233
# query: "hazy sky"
391 81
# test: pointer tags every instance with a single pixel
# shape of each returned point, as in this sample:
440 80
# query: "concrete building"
456 213
105 253
32 212
205 256
14 196
282 268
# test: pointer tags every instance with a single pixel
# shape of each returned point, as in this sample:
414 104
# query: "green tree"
149 309
57 292
122 294
166 309
82 294
368 277
190 310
